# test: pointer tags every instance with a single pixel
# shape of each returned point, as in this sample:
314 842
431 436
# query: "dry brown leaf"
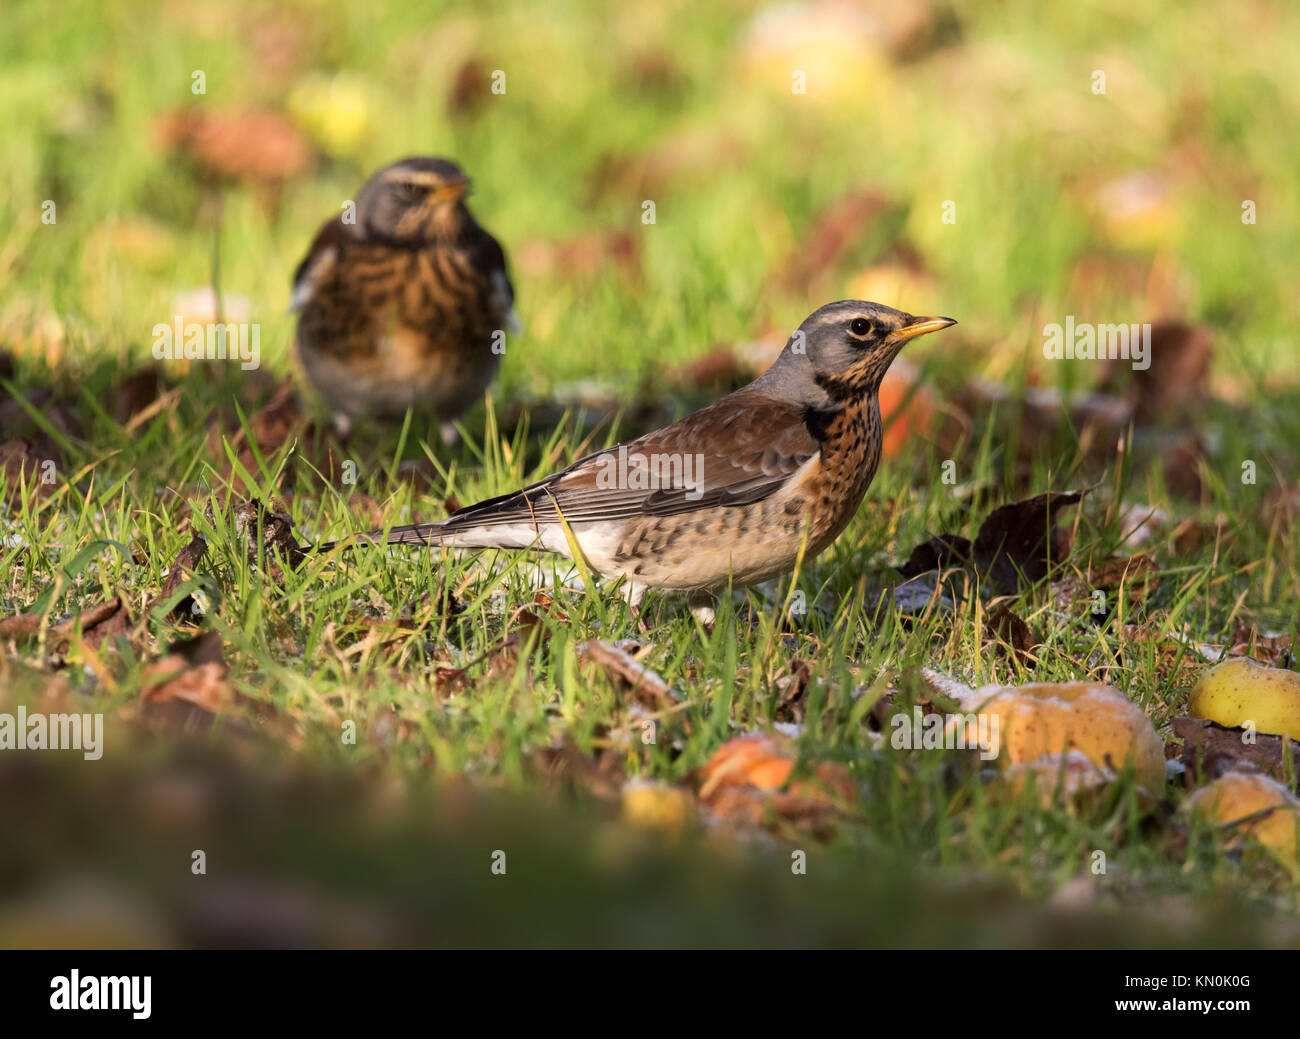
791 687
21 465
1274 650
1137 577
97 622
615 660
135 393
1021 540
717 372
182 570
1210 749
470 87
696 153
263 529
1016 541
1176 382
204 686
565 767
1010 634
254 146
747 778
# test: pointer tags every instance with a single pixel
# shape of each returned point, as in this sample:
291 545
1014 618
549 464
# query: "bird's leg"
342 426
701 607
633 592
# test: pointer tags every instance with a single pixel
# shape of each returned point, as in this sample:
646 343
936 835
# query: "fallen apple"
658 806
1048 718
1255 806
1242 691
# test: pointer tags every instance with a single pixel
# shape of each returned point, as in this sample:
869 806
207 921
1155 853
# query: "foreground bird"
730 493
405 299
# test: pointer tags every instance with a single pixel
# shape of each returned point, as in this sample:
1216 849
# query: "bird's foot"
704 613
450 434
633 592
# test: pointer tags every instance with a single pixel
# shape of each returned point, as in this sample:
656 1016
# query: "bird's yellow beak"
454 191
919 327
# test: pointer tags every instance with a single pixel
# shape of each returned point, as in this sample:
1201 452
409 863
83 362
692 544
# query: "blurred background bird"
731 494
404 299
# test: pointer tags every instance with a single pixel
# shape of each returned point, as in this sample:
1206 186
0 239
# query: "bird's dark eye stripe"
860 326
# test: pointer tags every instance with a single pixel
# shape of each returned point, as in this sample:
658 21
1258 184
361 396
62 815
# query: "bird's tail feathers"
411 534
416 534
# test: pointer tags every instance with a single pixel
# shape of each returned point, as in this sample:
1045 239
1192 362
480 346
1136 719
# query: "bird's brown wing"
489 257
319 263
736 451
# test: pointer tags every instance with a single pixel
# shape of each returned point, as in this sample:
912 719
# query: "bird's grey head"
413 201
841 350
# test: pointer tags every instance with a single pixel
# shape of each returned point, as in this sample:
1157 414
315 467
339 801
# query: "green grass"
997 116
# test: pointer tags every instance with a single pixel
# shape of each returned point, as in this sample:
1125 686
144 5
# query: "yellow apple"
1242 691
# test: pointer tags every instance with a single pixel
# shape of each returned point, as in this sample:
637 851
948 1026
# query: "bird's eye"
410 192
860 327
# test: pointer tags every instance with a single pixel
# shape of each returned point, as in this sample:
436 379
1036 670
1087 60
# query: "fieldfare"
728 495
404 300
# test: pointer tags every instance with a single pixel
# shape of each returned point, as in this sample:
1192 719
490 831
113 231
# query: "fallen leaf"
1274 650
471 86
17 423
646 685
1137 577
717 372
205 648
1015 541
1182 457
1021 540
790 688
204 686
747 777
1175 383
565 767
693 154
182 570
256 146
939 553
1010 635
134 394
98 622
21 466
1210 749
277 422
262 529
